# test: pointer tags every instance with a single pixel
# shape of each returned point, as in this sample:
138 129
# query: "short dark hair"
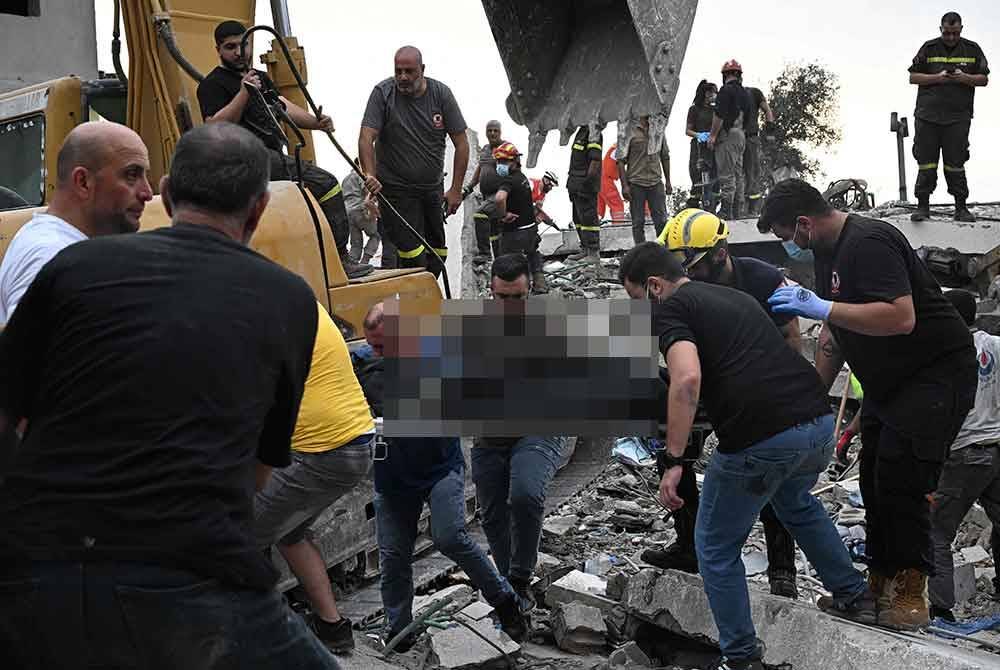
965 303
228 29
219 167
951 19
649 259
510 267
788 200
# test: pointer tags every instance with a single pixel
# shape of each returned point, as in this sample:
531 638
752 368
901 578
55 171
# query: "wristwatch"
671 461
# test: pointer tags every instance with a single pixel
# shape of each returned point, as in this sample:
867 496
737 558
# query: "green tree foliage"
805 102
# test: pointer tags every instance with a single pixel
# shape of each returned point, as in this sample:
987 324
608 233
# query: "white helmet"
551 176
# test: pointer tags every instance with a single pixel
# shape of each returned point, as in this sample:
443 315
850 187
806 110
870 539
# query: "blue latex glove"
799 301
703 137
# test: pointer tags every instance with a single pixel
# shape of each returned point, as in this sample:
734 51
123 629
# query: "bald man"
102 187
409 116
485 176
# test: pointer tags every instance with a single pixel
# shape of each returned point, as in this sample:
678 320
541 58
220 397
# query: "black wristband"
671 461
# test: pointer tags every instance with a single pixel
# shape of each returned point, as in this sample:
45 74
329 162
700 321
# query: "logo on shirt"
986 364
438 121
834 283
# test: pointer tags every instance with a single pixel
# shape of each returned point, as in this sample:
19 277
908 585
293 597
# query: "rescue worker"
101 189
539 189
883 313
698 239
701 160
362 215
160 374
775 437
512 474
727 140
583 183
609 199
485 176
947 70
971 472
753 184
410 163
516 213
237 93
647 179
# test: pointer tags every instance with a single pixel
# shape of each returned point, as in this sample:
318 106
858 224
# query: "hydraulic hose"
161 21
315 110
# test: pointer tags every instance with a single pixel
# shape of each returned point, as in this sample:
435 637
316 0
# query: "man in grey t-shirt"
407 118
485 176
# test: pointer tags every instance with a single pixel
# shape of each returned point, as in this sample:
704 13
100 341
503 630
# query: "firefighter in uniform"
515 211
583 184
947 70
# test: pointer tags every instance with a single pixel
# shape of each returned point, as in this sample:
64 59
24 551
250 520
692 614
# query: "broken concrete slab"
580 587
563 659
558 526
965 581
461 594
975 554
546 563
458 648
477 610
578 628
795 633
629 655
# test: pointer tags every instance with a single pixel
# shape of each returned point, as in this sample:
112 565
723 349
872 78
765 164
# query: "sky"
868 44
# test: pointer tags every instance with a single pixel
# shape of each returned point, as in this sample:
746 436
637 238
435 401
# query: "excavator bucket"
588 62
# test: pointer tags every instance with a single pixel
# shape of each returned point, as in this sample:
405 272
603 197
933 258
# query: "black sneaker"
736 664
782 583
862 609
675 557
942 613
337 636
511 617
403 645
355 270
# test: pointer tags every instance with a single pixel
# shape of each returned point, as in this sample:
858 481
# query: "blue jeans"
136 615
781 469
397 518
511 484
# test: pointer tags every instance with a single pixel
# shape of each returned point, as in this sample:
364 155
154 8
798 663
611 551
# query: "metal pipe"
165 31
279 17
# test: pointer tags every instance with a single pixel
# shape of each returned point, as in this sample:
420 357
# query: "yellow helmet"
692 233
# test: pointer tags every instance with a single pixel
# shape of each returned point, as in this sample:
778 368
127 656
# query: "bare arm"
793 336
971 79
921 79
501 200
683 394
461 162
876 318
540 214
232 112
366 154
829 359
302 118
713 134
475 176
690 131
768 114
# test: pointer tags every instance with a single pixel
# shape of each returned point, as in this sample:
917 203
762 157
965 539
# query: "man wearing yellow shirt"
331 454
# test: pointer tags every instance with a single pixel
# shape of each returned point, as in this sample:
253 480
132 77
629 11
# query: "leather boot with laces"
908 608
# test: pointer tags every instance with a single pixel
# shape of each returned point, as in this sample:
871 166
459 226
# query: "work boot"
753 662
782 583
522 588
942 613
923 210
754 207
726 212
366 258
908 608
337 636
962 213
354 270
881 587
538 283
862 609
511 617
677 556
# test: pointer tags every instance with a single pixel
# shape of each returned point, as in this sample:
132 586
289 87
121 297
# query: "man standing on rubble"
512 474
775 434
237 93
643 182
753 185
883 313
516 213
698 239
726 139
409 116
583 184
947 70
485 176
160 374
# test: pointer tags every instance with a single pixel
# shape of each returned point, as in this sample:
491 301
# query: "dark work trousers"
700 153
656 197
951 141
729 159
525 240
487 227
134 615
324 187
899 472
422 209
585 218
753 186
970 474
780 544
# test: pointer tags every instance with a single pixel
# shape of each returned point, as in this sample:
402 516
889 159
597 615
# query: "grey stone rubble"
578 628
458 648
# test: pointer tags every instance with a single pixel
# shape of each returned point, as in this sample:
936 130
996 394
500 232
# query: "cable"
315 110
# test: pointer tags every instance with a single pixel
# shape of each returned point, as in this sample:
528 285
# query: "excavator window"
22 182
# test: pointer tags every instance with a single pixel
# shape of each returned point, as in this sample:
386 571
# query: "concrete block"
546 563
630 655
578 628
965 581
580 587
558 526
795 633
477 610
975 554
458 592
459 648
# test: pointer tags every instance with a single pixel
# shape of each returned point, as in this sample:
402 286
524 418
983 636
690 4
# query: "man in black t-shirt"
774 427
160 375
727 140
753 185
947 69
237 93
515 212
886 316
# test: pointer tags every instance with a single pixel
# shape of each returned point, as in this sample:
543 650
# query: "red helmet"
732 65
506 151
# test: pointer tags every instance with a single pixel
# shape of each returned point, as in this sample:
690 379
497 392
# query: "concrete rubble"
578 628
458 648
629 655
